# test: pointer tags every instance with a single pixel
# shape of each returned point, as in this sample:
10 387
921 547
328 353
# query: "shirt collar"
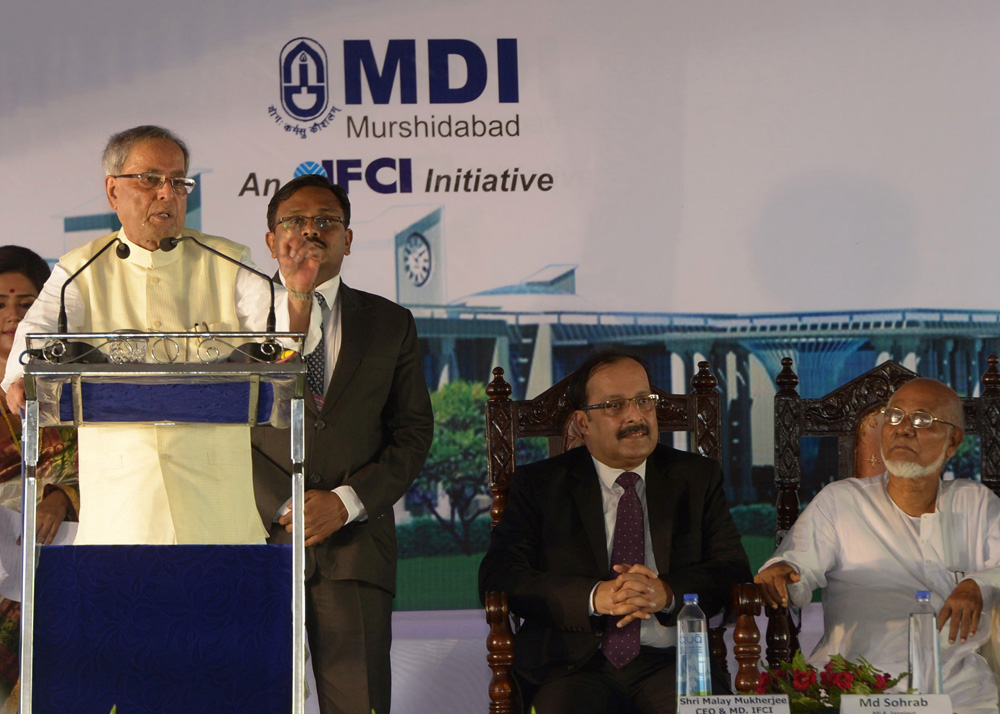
609 474
146 258
330 289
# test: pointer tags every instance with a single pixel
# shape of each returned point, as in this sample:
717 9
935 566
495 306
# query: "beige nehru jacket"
163 484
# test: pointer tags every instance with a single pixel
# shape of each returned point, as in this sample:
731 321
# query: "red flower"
763 683
880 681
803 680
842 680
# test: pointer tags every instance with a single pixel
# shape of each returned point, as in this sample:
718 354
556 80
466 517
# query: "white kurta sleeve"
811 547
988 578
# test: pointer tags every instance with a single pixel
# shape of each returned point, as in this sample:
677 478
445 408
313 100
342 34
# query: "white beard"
911 469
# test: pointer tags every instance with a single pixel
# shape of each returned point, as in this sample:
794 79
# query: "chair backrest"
849 413
547 415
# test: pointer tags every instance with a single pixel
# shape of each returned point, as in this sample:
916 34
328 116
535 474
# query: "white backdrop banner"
687 157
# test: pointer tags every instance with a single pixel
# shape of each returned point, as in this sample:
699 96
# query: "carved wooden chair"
849 413
547 415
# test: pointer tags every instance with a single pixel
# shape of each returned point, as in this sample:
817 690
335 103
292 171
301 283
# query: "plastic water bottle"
693 676
925 647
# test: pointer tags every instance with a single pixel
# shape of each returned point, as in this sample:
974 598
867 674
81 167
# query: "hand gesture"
773 581
325 514
963 607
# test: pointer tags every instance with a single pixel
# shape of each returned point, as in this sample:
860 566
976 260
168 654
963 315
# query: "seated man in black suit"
599 629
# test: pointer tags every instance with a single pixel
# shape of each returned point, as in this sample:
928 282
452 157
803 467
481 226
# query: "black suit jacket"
373 433
550 550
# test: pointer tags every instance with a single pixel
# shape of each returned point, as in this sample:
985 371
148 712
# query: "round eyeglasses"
614 407
178 184
322 223
919 419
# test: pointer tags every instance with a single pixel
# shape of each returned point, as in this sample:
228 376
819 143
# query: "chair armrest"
745 603
782 639
500 645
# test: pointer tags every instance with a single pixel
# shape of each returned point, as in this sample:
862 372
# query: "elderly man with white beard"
872 543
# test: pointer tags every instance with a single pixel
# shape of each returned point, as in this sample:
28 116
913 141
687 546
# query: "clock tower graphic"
420 262
417 258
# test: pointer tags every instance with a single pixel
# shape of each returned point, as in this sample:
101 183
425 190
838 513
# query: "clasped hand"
636 594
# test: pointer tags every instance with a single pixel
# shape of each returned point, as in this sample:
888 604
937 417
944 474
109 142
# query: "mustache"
317 241
633 429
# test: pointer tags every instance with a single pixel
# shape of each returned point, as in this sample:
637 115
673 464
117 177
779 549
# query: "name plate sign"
735 704
895 704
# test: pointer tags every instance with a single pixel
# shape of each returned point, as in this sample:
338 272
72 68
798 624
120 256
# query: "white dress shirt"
328 320
651 632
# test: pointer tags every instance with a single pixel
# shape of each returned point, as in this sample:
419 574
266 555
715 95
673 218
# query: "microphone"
267 352
79 351
122 251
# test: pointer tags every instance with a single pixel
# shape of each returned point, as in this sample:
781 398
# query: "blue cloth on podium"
163 629
217 403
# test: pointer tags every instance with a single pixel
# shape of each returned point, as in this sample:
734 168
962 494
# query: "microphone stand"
270 349
77 351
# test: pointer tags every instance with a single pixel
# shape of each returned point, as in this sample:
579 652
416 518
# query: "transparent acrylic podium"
66 373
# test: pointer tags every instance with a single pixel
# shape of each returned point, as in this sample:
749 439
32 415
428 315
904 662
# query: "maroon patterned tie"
621 645
316 360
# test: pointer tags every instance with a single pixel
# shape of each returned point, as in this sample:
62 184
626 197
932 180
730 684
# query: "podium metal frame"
48 367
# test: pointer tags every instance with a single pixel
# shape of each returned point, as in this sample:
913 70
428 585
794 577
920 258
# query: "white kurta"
871 558
160 484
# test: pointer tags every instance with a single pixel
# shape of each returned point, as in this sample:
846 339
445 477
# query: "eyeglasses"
322 223
154 181
614 407
919 419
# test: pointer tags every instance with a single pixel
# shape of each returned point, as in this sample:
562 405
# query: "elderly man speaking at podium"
871 543
149 484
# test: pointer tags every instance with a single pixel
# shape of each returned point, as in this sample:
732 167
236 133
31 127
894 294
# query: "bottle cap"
690 597
923 594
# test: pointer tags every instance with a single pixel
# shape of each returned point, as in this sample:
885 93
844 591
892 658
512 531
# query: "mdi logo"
304 85
453 72
458 72
305 88
400 61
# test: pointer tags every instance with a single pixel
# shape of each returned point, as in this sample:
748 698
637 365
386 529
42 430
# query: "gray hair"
120 145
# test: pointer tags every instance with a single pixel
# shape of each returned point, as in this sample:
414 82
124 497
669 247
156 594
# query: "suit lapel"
585 488
310 401
356 325
661 505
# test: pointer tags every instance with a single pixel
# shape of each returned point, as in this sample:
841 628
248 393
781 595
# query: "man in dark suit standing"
368 430
599 630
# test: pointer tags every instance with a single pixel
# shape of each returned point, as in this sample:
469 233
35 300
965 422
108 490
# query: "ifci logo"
383 175
305 87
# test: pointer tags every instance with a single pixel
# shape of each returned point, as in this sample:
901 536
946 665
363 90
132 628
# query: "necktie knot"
320 299
627 480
